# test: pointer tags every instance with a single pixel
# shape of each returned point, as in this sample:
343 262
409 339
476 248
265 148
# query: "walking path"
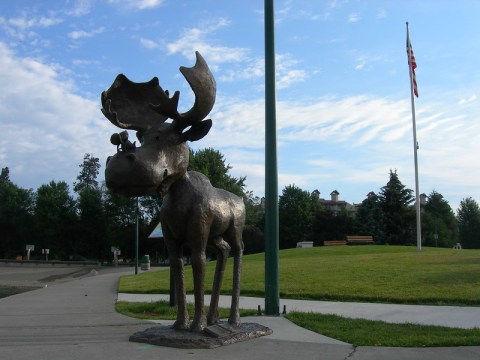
76 319
450 316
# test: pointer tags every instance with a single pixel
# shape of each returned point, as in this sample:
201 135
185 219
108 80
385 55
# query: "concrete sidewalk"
450 316
77 320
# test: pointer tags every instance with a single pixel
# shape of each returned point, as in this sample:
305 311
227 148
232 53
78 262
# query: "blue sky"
343 110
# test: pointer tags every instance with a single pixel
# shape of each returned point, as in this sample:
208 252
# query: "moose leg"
198 267
234 318
176 267
223 251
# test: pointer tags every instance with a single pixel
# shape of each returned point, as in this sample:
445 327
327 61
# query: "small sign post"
116 251
46 252
29 248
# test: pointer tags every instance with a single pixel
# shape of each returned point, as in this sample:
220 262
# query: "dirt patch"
74 274
14 290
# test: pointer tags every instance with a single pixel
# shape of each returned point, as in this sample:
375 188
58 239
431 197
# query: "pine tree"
398 215
369 218
468 216
88 175
91 240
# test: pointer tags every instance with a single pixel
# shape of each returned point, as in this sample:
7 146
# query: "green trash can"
145 265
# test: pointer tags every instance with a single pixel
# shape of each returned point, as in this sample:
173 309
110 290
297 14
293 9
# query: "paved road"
75 319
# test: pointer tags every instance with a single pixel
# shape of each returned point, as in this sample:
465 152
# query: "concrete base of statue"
213 336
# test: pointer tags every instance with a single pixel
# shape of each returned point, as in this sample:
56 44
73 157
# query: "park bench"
334 242
360 240
304 244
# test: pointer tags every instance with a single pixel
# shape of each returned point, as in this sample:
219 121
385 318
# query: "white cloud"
353 18
353 140
82 62
137 4
365 62
333 4
360 65
195 39
287 72
469 100
80 8
148 44
78 34
295 13
381 14
46 128
23 27
25 22
289 77
249 68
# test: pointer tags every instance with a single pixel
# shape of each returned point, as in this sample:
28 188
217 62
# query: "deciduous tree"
120 213
328 225
16 216
211 163
297 209
55 218
439 224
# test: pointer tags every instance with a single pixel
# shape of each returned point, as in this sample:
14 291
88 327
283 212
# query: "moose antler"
125 103
141 106
203 85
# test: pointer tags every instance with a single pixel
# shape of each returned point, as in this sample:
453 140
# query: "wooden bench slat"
360 239
334 242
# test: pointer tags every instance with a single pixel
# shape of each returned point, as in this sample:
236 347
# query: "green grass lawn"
360 332
394 274
353 331
161 310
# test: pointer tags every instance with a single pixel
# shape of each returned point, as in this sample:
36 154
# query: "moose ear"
198 130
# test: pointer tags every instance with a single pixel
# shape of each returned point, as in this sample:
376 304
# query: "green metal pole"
272 293
136 241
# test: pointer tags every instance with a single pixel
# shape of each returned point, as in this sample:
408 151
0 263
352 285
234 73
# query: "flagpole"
415 147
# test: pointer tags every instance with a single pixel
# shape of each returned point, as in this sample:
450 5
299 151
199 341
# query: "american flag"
412 64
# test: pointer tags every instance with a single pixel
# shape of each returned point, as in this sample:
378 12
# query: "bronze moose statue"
193 213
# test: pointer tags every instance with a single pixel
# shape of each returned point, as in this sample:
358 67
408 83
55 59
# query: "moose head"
162 157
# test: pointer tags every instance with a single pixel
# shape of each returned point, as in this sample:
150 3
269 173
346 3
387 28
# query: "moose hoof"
213 318
197 326
212 321
181 325
234 321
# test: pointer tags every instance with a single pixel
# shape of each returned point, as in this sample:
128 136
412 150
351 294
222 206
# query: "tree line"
86 223
389 216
